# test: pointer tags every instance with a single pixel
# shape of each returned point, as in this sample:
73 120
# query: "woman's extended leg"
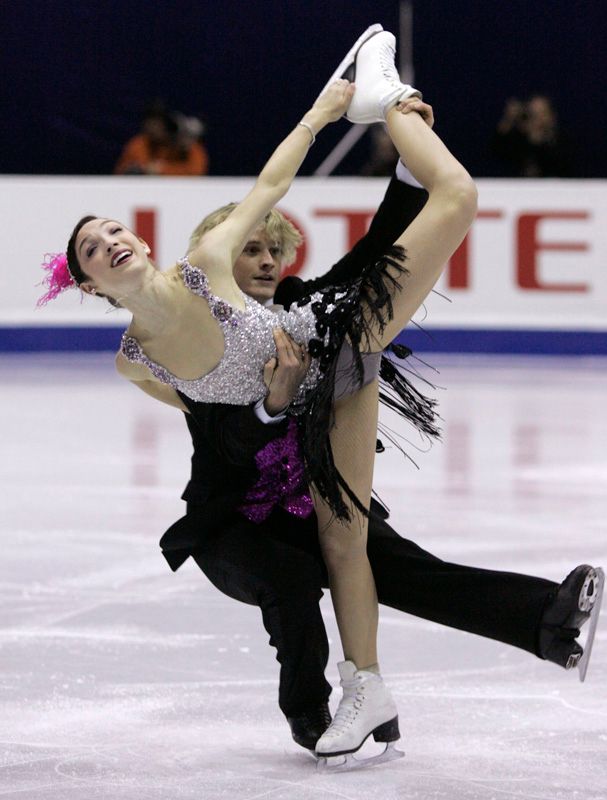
429 241
433 236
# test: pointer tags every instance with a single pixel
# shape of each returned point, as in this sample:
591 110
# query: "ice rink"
123 680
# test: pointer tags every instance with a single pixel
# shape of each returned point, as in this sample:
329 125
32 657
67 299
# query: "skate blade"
582 664
351 56
349 762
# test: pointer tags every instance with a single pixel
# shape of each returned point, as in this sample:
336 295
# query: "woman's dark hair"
72 259
76 271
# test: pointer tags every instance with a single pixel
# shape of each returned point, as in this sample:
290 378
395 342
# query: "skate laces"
386 62
347 712
350 705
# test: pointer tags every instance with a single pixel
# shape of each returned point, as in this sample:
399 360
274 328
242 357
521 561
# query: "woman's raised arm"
222 245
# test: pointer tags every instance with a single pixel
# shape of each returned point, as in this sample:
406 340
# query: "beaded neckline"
195 279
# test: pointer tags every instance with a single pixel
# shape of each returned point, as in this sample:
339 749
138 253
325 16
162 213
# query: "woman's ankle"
370 668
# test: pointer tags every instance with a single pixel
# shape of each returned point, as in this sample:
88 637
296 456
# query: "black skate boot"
309 726
576 600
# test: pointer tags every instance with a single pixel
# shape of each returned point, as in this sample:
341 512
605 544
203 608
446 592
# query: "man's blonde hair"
275 224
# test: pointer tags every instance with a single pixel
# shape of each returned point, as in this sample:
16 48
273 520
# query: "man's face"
257 268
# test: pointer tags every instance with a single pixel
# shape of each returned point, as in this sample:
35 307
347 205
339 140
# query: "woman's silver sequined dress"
249 345
328 322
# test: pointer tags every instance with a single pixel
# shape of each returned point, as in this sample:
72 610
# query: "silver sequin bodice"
248 345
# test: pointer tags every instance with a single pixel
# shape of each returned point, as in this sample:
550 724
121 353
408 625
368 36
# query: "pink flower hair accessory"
57 279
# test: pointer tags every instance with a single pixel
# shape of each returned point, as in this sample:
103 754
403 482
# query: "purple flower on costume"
131 349
222 311
194 279
281 480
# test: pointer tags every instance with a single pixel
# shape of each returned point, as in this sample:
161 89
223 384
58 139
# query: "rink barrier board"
533 261
440 340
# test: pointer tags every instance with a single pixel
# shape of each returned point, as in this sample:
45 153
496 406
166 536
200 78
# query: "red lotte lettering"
145 227
528 244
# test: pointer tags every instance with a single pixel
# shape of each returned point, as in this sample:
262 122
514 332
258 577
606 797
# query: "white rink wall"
535 259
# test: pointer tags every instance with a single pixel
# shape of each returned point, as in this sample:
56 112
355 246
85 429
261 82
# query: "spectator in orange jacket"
162 148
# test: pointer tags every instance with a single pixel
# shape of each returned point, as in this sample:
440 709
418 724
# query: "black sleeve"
234 433
401 204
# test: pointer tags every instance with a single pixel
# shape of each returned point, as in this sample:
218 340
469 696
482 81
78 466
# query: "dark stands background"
77 75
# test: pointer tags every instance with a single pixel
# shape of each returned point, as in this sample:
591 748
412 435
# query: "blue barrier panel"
544 342
51 339
439 340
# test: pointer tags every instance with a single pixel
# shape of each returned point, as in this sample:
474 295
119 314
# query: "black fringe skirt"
340 322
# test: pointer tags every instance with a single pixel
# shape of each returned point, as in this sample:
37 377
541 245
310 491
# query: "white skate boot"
366 708
378 85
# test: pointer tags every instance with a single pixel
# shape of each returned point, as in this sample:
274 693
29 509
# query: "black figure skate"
576 601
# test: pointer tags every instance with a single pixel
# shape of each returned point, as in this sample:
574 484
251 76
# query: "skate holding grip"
387 731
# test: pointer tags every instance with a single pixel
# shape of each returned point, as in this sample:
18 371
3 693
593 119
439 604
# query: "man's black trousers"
278 566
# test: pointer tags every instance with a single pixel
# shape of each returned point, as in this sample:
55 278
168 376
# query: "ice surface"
122 680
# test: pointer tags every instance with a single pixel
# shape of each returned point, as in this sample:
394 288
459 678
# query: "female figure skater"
193 331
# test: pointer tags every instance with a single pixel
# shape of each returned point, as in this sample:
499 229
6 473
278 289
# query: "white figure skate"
378 84
366 709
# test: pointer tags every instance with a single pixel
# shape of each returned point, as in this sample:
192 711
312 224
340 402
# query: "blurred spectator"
166 145
189 147
383 156
529 142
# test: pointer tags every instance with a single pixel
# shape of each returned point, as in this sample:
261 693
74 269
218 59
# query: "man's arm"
237 433
401 204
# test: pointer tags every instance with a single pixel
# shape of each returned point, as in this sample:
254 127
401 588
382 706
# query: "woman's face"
111 255
257 268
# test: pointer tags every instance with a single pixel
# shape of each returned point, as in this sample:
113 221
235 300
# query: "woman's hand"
284 374
333 103
219 248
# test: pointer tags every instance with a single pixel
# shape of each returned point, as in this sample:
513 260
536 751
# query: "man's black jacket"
226 437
